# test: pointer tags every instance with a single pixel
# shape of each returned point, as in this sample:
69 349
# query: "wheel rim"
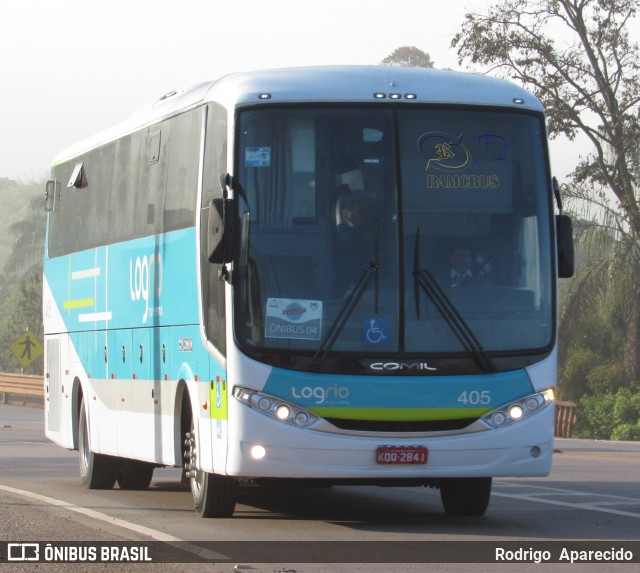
196 476
85 452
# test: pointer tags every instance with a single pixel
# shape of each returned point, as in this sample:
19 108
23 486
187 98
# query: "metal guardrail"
21 389
566 415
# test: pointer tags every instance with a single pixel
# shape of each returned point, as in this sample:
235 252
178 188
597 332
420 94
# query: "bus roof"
330 84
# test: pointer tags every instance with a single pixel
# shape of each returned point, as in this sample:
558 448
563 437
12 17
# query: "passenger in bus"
356 216
464 268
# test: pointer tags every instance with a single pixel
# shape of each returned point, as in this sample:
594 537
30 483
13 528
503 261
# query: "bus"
253 279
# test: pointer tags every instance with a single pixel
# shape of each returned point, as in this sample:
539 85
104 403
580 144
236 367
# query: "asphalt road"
590 500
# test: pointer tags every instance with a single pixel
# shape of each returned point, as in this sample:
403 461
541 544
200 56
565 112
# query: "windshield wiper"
424 279
349 305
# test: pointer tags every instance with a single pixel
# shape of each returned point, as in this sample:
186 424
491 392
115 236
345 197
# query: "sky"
71 68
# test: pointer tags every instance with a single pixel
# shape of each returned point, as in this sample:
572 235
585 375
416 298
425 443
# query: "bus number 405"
475 397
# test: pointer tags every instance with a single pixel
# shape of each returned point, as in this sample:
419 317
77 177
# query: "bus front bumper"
263 447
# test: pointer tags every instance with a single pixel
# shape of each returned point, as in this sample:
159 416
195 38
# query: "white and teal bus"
254 279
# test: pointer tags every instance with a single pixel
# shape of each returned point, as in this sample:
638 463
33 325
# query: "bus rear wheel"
214 495
135 474
465 496
97 471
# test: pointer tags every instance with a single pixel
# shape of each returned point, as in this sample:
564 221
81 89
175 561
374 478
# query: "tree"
610 416
21 311
21 282
604 297
26 255
408 56
16 197
576 56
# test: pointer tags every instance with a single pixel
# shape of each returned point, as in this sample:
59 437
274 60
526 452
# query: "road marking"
543 496
153 533
624 455
25 443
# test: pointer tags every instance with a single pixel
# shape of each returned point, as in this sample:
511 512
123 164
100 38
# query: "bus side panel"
218 398
118 303
57 410
59 416
208 394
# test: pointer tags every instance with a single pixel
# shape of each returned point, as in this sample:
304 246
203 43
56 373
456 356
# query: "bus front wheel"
97 471
214 495
465 496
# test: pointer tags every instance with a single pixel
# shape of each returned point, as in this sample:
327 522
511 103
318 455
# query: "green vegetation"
21 248
610 416
578 58
15 197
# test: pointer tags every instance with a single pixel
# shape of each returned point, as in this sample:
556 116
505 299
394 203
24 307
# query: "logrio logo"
321 395
145 282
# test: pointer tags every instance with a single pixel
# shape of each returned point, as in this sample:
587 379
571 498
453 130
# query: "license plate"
401 455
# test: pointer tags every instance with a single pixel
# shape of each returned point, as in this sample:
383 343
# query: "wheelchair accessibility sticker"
375 330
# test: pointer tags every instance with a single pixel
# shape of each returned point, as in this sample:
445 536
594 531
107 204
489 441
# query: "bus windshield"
406 233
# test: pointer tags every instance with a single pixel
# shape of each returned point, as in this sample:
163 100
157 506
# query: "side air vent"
54 384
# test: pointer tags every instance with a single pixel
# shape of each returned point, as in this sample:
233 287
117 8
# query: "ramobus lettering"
463 181
321 395
393 366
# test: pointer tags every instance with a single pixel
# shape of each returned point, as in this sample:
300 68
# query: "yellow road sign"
26 348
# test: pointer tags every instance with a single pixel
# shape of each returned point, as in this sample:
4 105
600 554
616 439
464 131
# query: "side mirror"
51 191
220 231
564 238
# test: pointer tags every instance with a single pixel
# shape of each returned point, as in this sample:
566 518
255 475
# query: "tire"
465 496
97 471
213 495
135 474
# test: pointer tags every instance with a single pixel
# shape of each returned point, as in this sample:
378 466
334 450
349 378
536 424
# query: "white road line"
153 533
507 484
589 506
25 443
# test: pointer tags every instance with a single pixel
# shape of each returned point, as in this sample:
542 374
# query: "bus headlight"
520 409
283 412
516 412
275 407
